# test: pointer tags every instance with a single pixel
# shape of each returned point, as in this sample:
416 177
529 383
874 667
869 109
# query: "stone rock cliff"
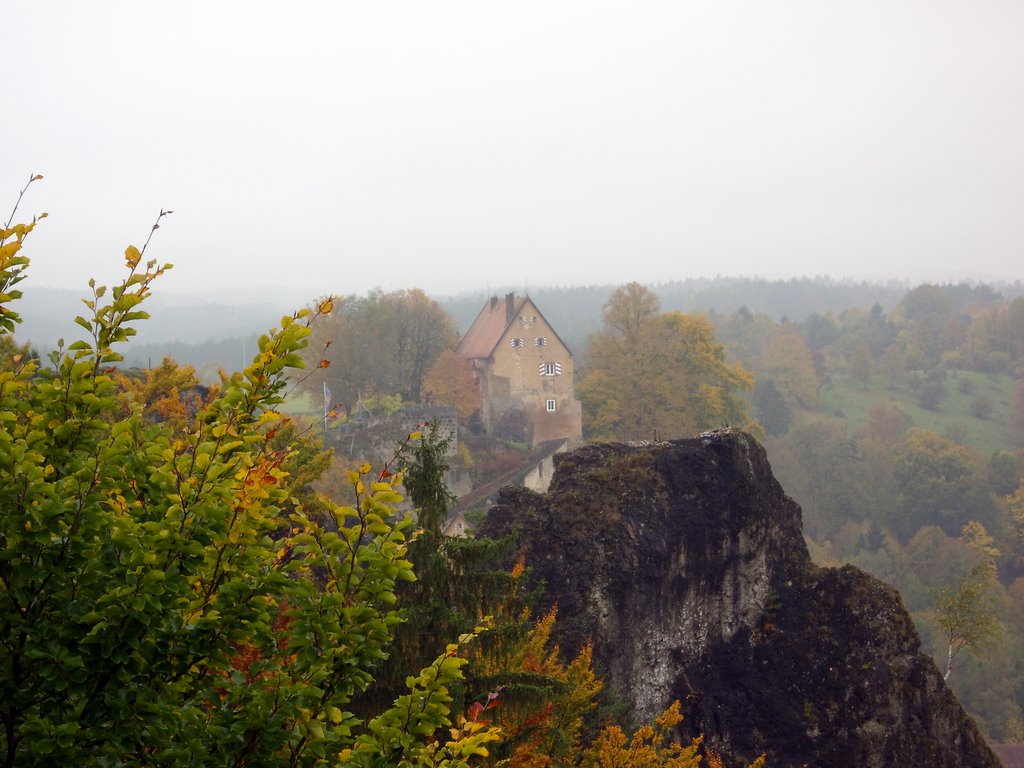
684 563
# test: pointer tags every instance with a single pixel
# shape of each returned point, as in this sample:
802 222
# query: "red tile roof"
485 333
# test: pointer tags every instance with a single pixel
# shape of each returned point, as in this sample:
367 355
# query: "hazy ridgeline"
210 335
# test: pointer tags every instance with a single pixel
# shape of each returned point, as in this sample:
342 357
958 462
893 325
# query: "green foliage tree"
965 614
771 408
932 391
820 332
746 335
981 406
1005 471
456 584
870 328
861 365
817 463
930 560
1017 419
940 483
1015 504
147 615
657 374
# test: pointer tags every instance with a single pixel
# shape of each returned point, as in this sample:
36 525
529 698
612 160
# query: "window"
551 405
540 341
527 319
516 342
550 369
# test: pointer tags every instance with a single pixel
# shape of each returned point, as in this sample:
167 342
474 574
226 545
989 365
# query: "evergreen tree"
460 583
771 408
457 584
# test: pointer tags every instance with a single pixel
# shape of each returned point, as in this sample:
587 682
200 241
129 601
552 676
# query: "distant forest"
209 336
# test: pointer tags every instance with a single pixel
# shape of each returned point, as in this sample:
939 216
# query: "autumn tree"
168 392
544 700
147 616
13 354
451 381
924 312
628 309
877 444
380 344
650 746
653 374
788 363
893 365
993 341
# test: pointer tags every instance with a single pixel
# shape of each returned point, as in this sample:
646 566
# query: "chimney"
510 307
494 302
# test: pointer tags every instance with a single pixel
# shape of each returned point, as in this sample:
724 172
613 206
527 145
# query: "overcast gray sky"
337 146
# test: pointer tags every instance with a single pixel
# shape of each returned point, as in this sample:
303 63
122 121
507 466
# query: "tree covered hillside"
901 434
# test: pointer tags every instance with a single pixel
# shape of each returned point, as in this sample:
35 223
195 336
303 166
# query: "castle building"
521 363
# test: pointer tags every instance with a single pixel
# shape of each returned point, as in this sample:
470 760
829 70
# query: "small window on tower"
550 369
551 405
540 341
516 342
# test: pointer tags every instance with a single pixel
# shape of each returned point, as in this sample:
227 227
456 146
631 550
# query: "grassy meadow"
845 398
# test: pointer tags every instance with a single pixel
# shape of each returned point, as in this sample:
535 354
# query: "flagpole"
327 398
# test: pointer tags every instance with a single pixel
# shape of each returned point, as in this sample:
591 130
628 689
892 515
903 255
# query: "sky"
310 148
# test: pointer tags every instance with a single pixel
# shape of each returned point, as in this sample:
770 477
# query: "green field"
845 398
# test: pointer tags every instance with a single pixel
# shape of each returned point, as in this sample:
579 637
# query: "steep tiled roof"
485 333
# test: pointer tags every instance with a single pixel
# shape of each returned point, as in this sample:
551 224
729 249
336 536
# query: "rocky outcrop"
684 564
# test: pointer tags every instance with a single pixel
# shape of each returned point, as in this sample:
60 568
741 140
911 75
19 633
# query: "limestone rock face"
684 563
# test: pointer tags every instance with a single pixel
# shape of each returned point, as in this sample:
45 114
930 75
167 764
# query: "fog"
334 147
